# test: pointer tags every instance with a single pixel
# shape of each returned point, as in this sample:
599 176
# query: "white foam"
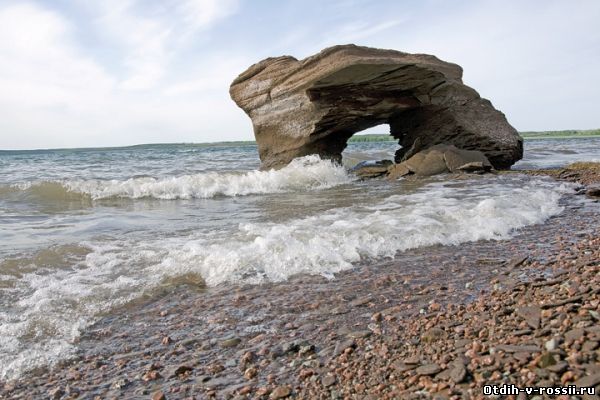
304 173
56 304
330 242
53 306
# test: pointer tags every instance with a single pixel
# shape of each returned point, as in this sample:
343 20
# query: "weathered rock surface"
440 159
314 105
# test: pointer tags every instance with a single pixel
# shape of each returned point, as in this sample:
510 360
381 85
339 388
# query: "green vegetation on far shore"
561 134
371 138
526 135
590 133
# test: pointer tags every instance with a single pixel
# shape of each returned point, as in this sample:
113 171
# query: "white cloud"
36 54
536 61
149 40
42 78
54 95
202 14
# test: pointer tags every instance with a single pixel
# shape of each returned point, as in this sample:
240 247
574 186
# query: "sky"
121 72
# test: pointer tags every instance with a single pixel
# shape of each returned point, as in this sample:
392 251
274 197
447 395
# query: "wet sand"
437 322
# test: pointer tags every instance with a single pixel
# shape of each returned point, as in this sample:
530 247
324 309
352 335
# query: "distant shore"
566 134
589 133
358 138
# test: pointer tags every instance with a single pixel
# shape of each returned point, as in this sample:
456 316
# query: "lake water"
85 231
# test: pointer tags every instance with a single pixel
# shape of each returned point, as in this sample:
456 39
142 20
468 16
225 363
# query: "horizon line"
548 134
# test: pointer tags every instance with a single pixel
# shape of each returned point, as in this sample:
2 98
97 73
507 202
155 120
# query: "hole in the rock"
370 145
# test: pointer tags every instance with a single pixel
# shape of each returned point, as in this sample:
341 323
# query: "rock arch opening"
370 145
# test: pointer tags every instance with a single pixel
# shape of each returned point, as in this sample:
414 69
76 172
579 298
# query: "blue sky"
120 72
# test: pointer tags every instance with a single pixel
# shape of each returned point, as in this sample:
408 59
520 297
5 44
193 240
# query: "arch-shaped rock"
314 105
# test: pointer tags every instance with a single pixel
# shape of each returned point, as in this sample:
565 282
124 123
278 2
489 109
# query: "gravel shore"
438 322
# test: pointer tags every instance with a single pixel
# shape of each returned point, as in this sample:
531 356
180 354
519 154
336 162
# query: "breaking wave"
305 173
334 240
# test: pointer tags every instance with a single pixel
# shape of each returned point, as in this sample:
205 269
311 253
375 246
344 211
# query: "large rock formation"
313 106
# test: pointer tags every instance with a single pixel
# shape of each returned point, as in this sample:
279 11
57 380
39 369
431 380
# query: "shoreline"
310 337
358 138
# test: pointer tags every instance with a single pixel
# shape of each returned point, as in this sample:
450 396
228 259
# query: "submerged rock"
314 105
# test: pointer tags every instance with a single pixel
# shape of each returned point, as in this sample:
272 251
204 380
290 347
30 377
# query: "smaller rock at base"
370 169
466 160
398 171
442 158
433 164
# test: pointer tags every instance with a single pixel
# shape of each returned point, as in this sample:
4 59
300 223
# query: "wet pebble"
280 392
